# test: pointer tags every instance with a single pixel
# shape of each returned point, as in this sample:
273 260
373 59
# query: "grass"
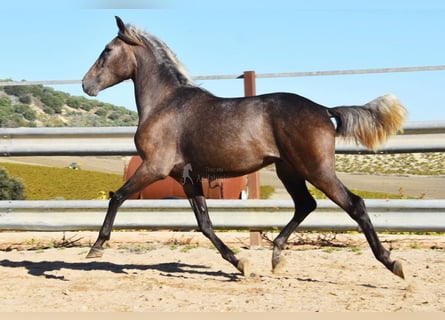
266 191
330 249
47 183
317 194
186 248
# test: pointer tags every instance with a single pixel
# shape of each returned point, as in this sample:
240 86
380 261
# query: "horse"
183 124
186 173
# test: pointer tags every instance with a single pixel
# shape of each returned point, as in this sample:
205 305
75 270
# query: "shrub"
73 102
26 112
10 188
25 99
114 116
17 91
5 102
101 112
53 102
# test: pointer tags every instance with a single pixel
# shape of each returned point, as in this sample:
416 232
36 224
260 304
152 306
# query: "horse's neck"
149 93
151 87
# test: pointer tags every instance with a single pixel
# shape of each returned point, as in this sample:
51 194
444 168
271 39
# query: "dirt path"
166 271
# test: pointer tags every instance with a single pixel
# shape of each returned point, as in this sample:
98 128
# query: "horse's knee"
116 198
310 205
358 209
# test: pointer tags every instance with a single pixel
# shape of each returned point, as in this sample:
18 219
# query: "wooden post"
253 178
249 91
249 83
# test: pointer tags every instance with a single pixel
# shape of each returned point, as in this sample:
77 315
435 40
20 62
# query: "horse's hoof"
95 253
245 268
278 267
397 269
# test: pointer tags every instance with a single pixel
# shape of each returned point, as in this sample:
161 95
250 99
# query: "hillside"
41 106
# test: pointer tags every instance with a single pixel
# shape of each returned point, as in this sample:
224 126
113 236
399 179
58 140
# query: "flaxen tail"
371 124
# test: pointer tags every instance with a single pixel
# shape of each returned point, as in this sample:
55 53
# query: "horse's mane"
163 54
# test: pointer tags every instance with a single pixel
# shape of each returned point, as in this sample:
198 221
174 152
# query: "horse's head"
116 63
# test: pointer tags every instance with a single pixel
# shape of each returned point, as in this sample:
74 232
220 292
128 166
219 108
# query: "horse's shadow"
173 269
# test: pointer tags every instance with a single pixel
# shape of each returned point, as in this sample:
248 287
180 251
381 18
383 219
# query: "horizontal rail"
258 75
428 136
72 215
60 141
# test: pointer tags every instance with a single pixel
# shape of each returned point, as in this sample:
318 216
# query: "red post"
254 177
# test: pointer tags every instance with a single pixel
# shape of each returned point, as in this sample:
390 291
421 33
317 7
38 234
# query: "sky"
60 40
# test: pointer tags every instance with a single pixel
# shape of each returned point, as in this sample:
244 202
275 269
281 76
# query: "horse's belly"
232 162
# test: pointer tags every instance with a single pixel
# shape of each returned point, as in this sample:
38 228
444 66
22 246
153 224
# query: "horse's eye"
105 52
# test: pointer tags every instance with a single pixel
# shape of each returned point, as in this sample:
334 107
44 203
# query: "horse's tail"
371 124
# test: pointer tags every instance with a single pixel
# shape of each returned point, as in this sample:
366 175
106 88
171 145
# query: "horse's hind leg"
355 207
141 178
197 200
304 204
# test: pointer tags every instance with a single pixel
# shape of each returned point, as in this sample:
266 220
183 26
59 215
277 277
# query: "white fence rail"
387 215
64 215
428 136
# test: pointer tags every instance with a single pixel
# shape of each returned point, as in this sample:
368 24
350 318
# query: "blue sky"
60 40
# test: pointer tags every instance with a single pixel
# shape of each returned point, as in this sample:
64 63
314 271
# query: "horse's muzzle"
89 88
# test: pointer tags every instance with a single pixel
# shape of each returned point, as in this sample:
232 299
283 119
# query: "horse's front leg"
198 202
141 178
96 250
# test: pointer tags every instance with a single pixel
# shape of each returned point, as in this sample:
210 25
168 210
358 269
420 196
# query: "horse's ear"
120 25
126 35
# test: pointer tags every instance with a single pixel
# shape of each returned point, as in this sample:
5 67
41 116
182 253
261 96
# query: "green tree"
10 188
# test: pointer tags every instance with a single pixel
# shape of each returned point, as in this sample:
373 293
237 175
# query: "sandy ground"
176 271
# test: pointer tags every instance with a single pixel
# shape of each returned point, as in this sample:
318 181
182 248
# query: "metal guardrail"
428 136
73 215
59 141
